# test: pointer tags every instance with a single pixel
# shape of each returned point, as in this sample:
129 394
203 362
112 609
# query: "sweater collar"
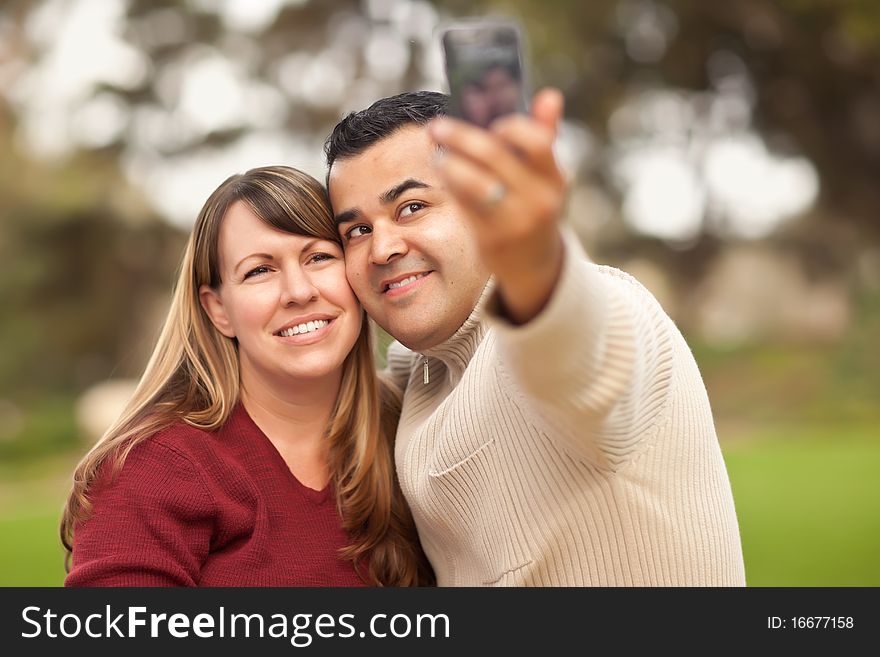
456 351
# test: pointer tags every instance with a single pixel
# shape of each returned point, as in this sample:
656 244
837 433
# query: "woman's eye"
256 271
320 257
411 208
357 231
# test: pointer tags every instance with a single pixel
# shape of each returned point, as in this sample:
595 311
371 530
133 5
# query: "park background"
725 153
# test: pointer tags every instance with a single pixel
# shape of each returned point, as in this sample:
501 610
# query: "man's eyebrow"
346 216
389 196
410 183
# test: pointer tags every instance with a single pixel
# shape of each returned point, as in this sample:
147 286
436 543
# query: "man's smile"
402 284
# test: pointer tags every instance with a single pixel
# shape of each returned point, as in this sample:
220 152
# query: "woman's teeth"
308 327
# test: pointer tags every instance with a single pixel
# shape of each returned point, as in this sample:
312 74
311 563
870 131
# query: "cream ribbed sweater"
576 450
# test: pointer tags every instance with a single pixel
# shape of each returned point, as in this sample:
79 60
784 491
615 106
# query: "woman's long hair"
193 377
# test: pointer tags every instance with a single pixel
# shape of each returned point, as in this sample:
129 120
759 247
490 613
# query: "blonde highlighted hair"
193 377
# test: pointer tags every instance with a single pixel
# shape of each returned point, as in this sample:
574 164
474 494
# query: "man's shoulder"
621 283
613 274
613 278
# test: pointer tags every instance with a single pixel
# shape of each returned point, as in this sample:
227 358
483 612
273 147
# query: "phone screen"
484 71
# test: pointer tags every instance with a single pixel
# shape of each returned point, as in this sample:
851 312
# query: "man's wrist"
523 292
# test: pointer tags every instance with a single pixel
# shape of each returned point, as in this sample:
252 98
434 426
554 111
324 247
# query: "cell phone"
484 69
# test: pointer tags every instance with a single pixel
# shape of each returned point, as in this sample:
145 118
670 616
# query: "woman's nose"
297 288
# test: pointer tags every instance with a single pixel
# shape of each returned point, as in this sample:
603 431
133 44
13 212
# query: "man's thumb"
547 107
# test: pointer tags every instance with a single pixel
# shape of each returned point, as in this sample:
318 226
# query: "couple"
541 420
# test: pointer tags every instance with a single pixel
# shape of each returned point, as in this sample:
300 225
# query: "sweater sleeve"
150 524
594 367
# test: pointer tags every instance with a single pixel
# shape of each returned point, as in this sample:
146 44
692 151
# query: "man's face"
410 254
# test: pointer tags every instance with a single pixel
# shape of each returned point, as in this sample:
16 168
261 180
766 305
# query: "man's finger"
533 141
473 186
547 108
480 146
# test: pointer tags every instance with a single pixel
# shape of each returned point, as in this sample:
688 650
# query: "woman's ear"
213 305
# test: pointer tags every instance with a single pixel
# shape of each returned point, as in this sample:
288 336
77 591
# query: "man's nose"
387 243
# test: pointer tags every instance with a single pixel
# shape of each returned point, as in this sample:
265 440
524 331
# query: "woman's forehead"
243 232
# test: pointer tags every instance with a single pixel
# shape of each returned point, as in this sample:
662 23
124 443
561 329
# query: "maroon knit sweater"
194 508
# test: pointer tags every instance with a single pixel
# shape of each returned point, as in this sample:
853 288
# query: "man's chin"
415 340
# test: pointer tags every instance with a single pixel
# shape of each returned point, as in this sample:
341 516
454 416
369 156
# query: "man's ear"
213 305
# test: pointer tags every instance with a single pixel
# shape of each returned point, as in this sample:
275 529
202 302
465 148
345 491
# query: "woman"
257 448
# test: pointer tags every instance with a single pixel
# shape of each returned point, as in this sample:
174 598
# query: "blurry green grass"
808 503
32 493
798 426
30 553
809 507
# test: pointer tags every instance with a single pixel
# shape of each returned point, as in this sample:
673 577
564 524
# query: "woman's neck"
294 418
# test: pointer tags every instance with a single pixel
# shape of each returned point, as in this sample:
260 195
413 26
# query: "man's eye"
411 208
357 231
256 271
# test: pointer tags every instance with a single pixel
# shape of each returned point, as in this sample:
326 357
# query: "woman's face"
286 300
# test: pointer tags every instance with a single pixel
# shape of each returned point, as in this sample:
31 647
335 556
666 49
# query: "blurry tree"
811 69
808 69
83 257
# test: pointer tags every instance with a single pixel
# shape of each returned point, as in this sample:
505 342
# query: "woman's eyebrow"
261 256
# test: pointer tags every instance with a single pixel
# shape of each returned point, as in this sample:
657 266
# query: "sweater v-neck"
316 497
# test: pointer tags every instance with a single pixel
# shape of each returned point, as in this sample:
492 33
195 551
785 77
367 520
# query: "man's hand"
507 181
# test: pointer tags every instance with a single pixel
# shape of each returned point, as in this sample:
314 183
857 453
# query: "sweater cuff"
576 287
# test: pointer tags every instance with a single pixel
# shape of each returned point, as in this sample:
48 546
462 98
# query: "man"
555 427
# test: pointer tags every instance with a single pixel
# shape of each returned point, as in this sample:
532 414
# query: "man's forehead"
406 153
410 144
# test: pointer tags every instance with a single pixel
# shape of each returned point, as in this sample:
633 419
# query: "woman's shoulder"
188 452
156 468
150 519
177 451
169 450
185 440
215 447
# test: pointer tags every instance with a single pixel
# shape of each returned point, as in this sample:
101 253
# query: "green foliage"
383 340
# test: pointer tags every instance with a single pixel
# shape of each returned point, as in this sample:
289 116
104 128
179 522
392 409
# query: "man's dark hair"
359 130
